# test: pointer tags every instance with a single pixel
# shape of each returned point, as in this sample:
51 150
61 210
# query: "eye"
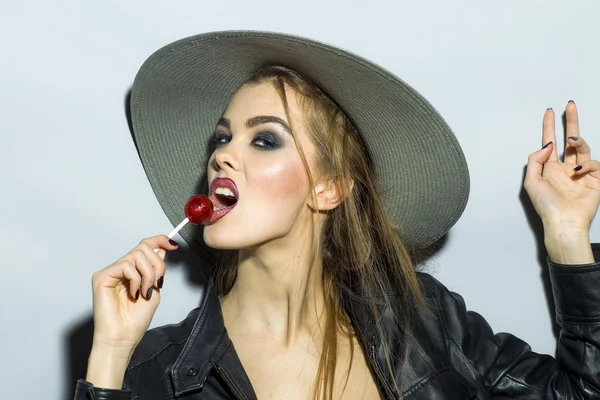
266 141
220 139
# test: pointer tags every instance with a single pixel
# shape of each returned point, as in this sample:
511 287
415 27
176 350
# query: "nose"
225 158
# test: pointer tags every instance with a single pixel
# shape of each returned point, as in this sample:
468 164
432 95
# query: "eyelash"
270 140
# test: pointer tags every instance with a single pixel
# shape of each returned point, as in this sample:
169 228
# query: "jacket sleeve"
86 391
508 368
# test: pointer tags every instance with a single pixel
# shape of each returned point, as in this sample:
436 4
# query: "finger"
161 242
131 273
117 272
572 119
535 164
548 133
157 261
572 130
581 150
144 266
591 167
162 253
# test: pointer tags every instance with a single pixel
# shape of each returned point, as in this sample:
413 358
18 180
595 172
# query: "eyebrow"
258 120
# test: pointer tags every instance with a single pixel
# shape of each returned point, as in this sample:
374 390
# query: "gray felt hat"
182 90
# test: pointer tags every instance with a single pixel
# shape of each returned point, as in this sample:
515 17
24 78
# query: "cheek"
284 181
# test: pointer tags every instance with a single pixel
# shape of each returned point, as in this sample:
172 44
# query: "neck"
277 292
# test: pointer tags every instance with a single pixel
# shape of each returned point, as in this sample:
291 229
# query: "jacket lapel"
201 350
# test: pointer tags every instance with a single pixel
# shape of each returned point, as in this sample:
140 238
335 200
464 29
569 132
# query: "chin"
220 240
224 238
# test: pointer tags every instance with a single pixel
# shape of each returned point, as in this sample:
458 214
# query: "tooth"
224 192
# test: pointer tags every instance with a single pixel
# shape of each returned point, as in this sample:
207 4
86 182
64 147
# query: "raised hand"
125 299
565 194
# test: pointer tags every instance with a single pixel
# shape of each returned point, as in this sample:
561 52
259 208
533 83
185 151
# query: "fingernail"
578 168
137 294
149 293
546 145
173 243
549 109
573 138
160 282
571 101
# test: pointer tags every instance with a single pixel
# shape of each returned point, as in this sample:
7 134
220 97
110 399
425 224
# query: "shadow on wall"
77 341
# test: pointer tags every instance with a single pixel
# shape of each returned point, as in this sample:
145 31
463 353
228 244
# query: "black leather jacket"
452 354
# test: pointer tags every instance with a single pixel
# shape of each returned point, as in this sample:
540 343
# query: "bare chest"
278 373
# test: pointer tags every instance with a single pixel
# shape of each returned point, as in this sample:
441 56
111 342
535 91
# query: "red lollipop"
199 209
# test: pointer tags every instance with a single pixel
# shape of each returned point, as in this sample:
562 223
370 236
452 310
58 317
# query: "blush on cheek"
283 183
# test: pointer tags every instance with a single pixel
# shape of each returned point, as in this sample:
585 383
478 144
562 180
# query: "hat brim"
182 90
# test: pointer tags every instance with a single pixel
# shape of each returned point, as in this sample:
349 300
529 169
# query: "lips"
222 204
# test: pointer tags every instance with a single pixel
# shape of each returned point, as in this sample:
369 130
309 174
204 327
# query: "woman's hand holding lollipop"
125 300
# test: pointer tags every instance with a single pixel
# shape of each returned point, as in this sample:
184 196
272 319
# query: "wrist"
568 245
107 366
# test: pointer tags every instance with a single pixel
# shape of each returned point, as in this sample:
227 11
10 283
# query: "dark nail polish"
173 243
546 145
160 282
549 109
149 293
573 138
577 168
571 101
137 294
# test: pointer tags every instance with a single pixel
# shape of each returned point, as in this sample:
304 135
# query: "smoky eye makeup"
220 138
265 140
262 136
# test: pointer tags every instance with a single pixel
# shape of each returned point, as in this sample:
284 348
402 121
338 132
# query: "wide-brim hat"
182 90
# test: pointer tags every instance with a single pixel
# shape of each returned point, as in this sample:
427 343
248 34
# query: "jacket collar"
204 347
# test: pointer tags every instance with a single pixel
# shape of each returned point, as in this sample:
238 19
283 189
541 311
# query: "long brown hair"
358 247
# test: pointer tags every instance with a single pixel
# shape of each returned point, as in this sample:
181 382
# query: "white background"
74 196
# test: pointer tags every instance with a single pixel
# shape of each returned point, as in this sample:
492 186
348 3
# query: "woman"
328 176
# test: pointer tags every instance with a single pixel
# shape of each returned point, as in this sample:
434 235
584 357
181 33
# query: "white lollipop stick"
177 229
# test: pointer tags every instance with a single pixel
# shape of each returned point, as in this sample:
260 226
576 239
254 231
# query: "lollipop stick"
177 228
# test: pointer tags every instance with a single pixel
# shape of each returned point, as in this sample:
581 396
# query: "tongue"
222 201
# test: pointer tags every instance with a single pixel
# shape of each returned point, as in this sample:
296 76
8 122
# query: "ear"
330 194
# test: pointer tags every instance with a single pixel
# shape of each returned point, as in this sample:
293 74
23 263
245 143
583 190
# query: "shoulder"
158 340
445 313
430 285
435 294
449 310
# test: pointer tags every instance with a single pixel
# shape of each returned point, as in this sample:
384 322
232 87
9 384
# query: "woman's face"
255 149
